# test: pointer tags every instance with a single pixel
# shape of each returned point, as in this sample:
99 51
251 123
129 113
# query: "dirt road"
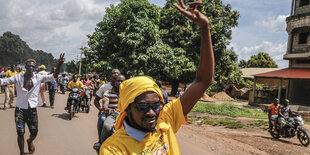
59 136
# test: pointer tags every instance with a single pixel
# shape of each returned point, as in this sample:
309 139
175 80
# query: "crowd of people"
144 122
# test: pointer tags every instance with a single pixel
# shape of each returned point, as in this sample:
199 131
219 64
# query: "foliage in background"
249 84
261 60
143 39
13 50
228 110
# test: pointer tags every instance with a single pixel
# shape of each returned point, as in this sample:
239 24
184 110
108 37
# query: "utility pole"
80 62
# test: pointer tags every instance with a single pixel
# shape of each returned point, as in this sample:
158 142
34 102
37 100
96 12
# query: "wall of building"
299 92
301 10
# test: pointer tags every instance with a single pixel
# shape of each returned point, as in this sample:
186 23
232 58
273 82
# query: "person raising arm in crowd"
144 125
28 87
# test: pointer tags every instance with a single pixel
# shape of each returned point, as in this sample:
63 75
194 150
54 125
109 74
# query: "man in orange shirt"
273 110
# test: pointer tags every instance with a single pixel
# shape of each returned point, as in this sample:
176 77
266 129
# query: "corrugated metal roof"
287 73
249 72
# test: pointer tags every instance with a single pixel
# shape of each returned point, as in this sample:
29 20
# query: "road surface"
59 136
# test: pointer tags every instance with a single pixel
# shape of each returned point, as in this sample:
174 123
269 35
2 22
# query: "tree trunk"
174 87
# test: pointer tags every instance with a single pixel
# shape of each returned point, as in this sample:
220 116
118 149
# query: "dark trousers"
52 96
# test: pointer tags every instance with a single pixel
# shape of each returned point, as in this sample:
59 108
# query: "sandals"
31 147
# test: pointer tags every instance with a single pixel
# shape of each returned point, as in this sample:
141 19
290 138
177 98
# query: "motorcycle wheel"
71 112
303 138
83 103
275 132
63 91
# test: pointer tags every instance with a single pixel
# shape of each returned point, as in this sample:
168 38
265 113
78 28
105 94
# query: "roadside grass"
230 123
228 110
307 123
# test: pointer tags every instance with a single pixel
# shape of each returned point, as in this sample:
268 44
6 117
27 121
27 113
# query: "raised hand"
193 13
61 58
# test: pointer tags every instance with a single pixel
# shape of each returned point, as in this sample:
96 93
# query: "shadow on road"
280 140
64 116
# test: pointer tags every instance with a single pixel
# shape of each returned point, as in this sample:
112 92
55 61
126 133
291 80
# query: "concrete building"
297 89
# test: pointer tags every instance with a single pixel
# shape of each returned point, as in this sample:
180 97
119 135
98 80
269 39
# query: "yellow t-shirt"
8 74
157 142
22 72
77 84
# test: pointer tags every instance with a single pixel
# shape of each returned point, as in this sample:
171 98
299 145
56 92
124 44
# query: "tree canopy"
142 39
13 50
261 60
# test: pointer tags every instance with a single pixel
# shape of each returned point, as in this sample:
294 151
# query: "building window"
303 3
303 38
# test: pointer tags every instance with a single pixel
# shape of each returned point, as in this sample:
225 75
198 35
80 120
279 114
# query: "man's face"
53 69
74 78
286 102
115 73
119 80
30 67
276 101
145 121
13 68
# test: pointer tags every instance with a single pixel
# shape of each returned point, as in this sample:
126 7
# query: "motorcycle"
294 125
63 86
114 112
85 99
73 103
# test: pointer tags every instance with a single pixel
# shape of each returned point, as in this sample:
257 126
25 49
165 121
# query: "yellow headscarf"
129 90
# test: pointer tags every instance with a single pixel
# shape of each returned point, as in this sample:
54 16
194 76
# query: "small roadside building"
294 81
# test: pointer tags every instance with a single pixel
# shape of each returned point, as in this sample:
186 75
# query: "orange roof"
287 73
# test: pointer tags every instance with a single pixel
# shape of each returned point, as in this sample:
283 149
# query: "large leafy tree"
129 38
140 38
184 34
262 60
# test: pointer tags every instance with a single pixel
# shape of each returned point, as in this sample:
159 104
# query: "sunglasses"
145 107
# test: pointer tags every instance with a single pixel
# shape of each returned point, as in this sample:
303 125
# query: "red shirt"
274 109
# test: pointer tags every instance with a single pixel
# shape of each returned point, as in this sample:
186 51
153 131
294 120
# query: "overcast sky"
56 26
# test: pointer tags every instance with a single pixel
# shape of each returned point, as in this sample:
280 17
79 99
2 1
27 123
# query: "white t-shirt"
103 89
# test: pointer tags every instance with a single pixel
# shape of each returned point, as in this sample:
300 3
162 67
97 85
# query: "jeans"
100 123
107 127
52 96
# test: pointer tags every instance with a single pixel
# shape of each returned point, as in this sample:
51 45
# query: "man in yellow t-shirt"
75 83
144 125
10 89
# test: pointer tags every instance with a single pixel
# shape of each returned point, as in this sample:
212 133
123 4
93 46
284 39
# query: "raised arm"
205 70
60 62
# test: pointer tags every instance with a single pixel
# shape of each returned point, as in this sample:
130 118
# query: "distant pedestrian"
42 87
52 87
10 89
165 94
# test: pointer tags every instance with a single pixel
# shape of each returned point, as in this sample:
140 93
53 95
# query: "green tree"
129 38
180 33
13 50
243 64
142 39
261 60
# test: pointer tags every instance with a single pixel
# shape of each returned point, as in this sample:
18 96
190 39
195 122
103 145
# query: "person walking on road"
52 87
42 88
28 87
10 89
145 125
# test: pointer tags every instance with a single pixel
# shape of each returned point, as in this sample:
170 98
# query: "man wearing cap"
42 87
144 125
28 87
10 89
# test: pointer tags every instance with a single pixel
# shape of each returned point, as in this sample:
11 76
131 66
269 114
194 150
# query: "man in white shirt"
28 87
99 95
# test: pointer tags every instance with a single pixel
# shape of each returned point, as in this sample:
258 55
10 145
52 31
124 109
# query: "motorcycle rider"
63 80
284 113
273 110
74 83
110 101
100 95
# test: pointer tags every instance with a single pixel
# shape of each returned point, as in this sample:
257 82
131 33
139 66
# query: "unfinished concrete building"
297 75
